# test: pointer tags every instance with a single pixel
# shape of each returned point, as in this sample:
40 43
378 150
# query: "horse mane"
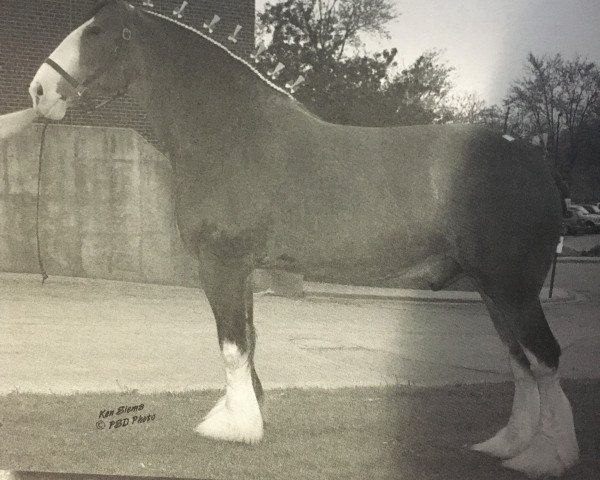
224 48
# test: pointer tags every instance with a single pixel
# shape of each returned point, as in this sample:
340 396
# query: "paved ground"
582 242
83 335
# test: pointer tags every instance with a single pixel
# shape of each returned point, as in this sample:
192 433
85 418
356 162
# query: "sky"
487 41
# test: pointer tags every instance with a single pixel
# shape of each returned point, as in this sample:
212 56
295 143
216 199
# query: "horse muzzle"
47 101
53 107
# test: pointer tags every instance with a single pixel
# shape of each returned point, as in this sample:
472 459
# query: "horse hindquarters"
236 416
539 438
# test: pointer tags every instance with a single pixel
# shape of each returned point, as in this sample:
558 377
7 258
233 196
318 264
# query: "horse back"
385 199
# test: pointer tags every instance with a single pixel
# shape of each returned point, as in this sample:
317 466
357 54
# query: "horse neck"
198 98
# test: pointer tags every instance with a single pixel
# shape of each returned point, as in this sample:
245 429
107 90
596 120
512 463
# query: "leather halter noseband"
81 87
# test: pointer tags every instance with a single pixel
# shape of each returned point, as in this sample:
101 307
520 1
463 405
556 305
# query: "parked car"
590 220
592 208
573 222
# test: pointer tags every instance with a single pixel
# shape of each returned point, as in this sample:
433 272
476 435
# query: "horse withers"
258 179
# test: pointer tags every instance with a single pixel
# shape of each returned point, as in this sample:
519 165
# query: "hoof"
503 444
523 423
225 423
545 457
236 417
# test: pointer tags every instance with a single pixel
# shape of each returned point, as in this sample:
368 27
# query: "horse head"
91 58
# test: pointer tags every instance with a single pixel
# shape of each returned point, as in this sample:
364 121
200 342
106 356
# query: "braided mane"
226 50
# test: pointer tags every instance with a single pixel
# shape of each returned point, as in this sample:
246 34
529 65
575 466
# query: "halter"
81 87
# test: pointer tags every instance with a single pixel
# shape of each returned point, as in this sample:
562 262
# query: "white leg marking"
236 416
8 475
554 447
524 418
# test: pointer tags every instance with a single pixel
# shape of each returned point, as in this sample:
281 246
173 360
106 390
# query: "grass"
359 433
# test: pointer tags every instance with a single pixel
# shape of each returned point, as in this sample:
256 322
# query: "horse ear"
126 7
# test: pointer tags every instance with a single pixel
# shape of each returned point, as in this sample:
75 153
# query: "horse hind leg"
522 424
539 439
554 447
237 415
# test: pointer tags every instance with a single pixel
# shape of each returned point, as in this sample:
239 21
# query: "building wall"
106 207
106 210
31 29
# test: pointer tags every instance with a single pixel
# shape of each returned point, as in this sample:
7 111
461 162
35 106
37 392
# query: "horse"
261 182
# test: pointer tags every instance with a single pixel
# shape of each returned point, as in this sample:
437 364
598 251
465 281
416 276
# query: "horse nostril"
39 91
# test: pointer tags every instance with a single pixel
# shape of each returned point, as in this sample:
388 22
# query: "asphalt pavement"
582 242
75 334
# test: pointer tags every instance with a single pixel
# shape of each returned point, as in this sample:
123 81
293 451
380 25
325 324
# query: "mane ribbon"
225 49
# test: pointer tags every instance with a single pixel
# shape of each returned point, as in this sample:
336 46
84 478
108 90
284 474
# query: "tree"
578 98
556 98
312 38
504 119
586 173
319 40
467 108
418 93
326 27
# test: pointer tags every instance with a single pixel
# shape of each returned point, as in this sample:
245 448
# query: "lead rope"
37 206
90 109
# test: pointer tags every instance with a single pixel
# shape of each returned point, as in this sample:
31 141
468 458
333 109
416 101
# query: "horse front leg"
236 416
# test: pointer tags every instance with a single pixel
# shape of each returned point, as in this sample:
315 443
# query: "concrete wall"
106 207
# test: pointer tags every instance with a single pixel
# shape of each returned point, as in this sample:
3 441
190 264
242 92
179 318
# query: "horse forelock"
100 4
225 49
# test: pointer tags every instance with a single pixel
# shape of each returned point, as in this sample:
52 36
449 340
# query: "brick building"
30 30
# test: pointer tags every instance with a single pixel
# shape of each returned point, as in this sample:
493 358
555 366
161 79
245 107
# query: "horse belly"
368 245
361 212
382 262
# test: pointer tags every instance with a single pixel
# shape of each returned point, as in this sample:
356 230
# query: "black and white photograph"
299 239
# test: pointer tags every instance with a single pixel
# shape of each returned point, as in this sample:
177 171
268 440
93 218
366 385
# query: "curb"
321 290
578 259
